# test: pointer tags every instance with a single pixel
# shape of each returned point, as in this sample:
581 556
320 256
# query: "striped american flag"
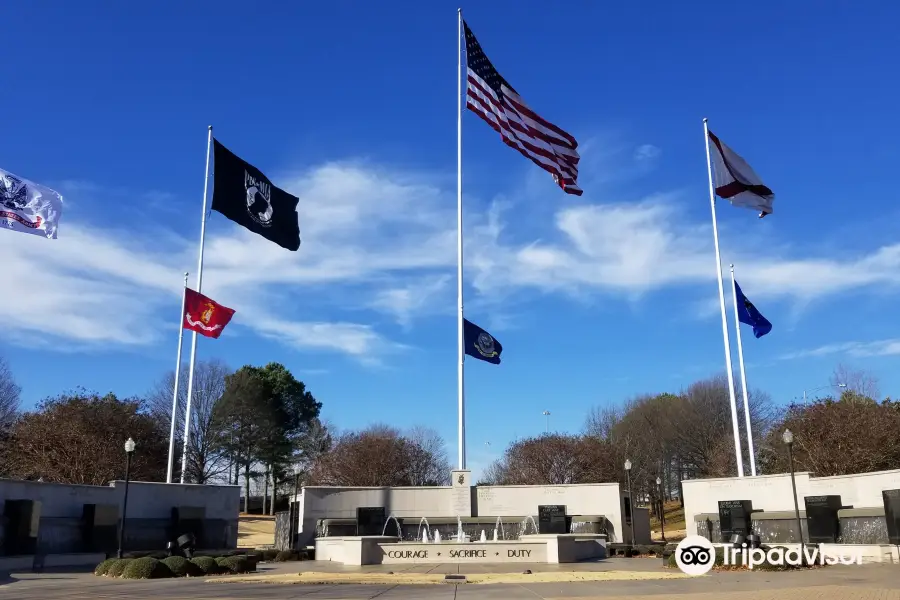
490 97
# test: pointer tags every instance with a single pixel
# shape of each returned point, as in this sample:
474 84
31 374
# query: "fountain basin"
539 548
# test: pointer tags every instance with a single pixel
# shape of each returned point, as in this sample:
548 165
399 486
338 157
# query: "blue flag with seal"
748 314
480 344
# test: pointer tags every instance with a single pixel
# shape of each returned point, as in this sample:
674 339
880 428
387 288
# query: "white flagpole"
737 326
730 373
190 390
459 247
171 465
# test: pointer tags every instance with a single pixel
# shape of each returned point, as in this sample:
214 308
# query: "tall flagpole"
730 373
459 248
190 390
171 464
737 326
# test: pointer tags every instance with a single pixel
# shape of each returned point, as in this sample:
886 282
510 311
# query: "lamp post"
788 438
546 413
662 509
630 499
838 385
129 451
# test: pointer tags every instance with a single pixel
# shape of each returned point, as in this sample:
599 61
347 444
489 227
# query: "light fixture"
658 481
788 437
129 445
627 464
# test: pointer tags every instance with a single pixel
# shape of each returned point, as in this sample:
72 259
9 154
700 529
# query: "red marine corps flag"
203 315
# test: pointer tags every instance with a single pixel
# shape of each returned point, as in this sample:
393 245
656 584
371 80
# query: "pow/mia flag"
480 344
28 207
244 195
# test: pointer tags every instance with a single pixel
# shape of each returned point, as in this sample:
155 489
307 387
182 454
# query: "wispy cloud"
387 239
889 347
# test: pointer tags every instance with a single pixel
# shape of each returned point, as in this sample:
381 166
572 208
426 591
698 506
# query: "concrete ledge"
50 561
875 511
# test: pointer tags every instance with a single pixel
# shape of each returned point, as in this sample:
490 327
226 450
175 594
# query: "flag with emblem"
480 344
491 97
748 314
206 317
243 194
736 181
28 207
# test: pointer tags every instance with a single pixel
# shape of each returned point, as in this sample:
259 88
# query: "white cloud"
646 152
388 240
889 347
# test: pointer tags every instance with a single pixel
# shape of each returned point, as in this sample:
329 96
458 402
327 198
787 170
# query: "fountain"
396 522
499 526
483 537
437 536
425 533
523 526
460 537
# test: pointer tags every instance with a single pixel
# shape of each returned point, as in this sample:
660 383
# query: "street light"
630 499
788 439
662 509
546 413
837 385
129 451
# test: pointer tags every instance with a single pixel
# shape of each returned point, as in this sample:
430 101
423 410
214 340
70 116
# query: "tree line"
257 426
260 427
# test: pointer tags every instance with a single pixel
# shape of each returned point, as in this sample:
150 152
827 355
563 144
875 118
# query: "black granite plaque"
370 520
189 520
891 500
20 533
552 518
822 523
99 527
734 518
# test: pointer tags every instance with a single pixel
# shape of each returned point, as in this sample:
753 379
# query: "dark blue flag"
480 344
748 314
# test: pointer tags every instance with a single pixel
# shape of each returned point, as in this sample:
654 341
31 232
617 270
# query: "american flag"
490 97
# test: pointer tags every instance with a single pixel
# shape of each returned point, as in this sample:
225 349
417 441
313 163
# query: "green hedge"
103 568
118 567
146 568
207 565
182 567
236 564
286 555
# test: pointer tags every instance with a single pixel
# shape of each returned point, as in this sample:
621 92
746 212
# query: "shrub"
206 564
103 568
235 564
286 555
270 555
182 567
146 568
117 568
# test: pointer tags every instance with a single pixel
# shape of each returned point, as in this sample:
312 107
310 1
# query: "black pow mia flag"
244 195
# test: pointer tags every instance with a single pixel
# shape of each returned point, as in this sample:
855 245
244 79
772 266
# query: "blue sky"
352 106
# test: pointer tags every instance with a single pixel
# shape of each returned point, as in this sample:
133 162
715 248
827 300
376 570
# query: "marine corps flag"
480 344
206 317
243 194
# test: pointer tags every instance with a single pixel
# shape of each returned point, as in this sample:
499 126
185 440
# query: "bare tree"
205 461
428 462
9 395
860 382
383 456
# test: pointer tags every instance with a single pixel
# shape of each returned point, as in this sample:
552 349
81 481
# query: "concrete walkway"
865 582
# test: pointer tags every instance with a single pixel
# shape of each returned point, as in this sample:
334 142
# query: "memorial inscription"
891 500
370 520
552 518
467 553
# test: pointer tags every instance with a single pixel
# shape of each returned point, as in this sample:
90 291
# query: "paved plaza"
865 582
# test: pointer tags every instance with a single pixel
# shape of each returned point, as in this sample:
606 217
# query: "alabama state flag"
206 317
